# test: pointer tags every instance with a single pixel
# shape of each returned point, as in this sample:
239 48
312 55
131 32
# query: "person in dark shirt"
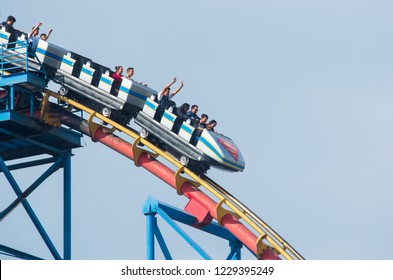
165 94
164 98
9 27
203 122
211 125
201 126
182 111
192 114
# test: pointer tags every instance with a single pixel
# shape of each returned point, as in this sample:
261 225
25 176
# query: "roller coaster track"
252 219
258 237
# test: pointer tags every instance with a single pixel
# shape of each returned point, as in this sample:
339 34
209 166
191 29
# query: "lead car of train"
91 84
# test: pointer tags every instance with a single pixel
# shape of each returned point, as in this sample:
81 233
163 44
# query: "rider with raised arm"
165 95
33 39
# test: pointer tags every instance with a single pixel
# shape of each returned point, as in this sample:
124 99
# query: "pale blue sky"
304 88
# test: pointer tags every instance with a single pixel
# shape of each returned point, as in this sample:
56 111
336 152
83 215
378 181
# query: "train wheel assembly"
63 91
144 133
184 160
106 112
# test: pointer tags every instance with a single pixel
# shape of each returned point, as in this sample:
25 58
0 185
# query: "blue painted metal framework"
16 142
171 215
17 74
22 137
61 161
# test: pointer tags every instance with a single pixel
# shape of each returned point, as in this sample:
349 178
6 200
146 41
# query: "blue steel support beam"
161 241
235 253
12 95
31 163
31 105
67 206
150 226
29 210
32 187
37 143
6 98
17 254
171 214
23 120
7 101
152 230
21 78
185 218
184 235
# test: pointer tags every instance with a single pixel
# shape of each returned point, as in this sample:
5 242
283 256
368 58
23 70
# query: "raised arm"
167 86
35 28
170 84
49 32
178 89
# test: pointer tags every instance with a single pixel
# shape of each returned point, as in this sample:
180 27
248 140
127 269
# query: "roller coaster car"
81 79
198 152
92 85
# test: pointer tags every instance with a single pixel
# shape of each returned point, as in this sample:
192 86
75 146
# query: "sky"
304 88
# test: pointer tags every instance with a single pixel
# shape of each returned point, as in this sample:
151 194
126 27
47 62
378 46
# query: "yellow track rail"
266 233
